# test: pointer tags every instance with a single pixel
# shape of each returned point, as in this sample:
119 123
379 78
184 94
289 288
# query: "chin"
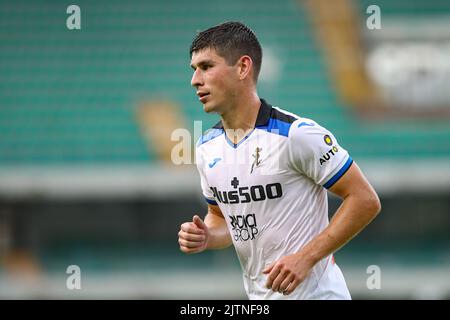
208 108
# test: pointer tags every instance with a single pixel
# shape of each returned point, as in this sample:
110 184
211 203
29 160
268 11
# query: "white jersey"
271 189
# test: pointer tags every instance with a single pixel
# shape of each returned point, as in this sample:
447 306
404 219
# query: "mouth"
203 96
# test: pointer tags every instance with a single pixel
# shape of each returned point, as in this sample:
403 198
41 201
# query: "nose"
197 79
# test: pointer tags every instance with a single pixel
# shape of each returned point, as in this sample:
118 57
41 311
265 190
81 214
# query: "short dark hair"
231 40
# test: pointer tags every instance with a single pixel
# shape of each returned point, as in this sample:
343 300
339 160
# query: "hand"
287 273
193 236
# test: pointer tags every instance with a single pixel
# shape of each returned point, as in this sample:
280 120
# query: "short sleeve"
206 190
316 153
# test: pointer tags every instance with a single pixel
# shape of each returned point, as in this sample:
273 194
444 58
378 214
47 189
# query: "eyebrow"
203 63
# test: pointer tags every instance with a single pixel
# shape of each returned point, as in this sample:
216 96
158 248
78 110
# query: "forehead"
207 54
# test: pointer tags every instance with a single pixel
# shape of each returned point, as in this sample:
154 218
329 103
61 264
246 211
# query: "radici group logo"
244 227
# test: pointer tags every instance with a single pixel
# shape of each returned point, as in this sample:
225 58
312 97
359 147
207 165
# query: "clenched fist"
193 236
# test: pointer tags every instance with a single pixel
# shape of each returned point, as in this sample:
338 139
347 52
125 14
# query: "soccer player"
265 173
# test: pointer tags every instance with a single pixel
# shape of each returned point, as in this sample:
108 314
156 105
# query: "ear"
245 67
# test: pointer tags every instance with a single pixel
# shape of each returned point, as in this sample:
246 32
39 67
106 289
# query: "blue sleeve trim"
211 202
339 174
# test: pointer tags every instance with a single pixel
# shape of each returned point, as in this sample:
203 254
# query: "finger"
199 223
269 268
190 227
189 250
294 284
191 237
285 284
189 244
272 275
279 279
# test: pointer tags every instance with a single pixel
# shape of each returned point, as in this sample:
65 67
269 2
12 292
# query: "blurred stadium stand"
84 171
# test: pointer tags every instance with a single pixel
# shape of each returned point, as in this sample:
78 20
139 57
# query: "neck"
243 114
240 118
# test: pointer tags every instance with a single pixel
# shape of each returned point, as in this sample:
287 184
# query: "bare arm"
360 206
219 236
199 235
